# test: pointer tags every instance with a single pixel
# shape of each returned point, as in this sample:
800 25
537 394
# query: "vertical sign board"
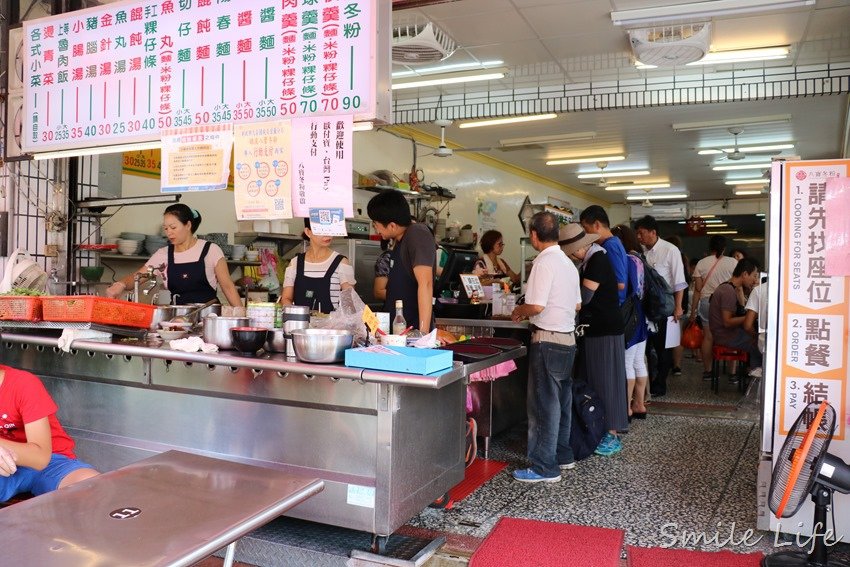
122 72
813 314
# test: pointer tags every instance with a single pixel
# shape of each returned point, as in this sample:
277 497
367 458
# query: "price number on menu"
324 105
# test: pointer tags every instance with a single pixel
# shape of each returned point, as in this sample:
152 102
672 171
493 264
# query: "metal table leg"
229 555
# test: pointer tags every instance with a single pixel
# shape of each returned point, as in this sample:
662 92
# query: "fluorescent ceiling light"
643 186
745 149
508 142
448 68
363 126
707 216
701 10
721 232
749 192
759 214
111 149
753 120
656 196
511 120
762 165
742 55
613 174
450 79
759 181
714 221
568 161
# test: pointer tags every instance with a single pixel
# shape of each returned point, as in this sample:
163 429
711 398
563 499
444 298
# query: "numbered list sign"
814 306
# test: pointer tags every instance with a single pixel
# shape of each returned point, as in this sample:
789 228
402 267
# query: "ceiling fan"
602 182
442 150
736 153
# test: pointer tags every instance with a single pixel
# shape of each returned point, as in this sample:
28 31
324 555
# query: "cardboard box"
410 360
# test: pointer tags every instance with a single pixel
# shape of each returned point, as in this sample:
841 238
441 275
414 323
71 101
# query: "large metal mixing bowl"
321 345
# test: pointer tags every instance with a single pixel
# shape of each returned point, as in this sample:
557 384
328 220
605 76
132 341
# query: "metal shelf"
412 195
137 258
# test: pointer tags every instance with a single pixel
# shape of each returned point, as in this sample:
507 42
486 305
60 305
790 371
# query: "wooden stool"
726 354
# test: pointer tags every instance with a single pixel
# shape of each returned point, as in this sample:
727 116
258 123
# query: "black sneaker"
677 371
706 376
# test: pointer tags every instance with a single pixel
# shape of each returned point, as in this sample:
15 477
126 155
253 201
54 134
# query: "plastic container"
20 308
102 310
264 314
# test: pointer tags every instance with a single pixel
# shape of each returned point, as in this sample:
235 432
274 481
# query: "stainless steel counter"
492 323
385 444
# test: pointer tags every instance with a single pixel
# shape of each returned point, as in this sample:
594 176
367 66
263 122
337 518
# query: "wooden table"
171 509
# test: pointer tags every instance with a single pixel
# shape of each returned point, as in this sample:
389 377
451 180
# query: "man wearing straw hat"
552 298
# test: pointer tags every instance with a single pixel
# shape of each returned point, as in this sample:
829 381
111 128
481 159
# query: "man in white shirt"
552 298
667 261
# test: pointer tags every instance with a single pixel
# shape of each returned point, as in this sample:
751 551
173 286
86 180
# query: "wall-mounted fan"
803 467
602 182
442 150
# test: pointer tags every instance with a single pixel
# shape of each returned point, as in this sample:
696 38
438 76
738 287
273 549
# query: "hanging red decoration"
695 226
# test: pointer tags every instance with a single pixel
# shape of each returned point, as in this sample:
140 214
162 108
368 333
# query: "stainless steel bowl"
276 341
184 310
160 314
321 345
217 330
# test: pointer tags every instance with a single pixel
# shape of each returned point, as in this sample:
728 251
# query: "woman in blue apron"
193 269
314 278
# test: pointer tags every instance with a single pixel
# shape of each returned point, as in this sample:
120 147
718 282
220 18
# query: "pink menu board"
121 72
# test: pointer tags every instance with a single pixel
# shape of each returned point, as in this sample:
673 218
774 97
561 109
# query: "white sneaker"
567 466
755 373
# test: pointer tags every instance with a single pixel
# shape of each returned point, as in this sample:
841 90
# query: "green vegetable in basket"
23 291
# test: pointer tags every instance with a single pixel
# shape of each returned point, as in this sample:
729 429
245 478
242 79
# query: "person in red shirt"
36 455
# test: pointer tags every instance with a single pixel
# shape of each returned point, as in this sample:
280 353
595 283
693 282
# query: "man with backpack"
666 260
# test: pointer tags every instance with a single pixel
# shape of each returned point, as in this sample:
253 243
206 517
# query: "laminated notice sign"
196 159
322 164
263 180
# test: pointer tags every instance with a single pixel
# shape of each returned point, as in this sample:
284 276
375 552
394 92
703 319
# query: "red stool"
724 353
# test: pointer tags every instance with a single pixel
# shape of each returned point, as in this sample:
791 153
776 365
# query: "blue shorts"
27 479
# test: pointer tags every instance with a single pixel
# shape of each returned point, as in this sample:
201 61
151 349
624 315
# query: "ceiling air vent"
668 46
420 44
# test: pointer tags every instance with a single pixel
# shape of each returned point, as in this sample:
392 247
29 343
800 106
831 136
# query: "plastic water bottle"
497 299
399 324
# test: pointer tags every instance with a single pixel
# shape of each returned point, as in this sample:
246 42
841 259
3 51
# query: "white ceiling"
571 42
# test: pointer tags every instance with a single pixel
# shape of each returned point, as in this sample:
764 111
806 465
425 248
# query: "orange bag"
692 335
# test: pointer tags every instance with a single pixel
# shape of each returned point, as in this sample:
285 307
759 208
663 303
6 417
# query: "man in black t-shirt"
411 277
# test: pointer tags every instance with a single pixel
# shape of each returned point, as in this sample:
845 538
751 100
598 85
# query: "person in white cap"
551 301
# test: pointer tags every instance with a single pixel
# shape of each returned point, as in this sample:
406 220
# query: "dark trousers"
663 360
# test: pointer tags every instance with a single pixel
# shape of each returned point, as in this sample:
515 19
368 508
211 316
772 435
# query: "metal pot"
186 311
160 314
321 345
276 340
217 330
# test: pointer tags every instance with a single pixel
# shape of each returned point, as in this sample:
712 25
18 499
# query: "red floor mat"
534 543
660 557
479 472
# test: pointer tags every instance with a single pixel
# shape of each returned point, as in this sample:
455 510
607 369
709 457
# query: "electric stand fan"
804 467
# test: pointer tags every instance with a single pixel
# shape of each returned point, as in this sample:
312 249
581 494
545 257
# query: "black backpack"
588 421
658 301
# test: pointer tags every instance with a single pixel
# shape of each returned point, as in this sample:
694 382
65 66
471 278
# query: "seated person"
36 455
726 312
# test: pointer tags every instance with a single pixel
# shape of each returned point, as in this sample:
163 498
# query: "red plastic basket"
20 308
102 310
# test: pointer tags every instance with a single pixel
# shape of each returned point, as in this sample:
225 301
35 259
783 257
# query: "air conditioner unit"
16 60
670 211
417 44
668 46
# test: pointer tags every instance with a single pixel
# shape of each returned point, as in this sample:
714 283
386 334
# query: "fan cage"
784 462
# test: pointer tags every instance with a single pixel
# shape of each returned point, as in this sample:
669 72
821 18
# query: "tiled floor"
689 467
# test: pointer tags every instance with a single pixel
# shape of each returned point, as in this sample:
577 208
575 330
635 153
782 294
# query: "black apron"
314 293
402 284
189 280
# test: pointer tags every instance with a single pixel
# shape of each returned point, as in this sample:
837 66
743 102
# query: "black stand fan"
804 467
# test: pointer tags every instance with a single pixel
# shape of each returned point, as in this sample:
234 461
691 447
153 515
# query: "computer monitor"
458 262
